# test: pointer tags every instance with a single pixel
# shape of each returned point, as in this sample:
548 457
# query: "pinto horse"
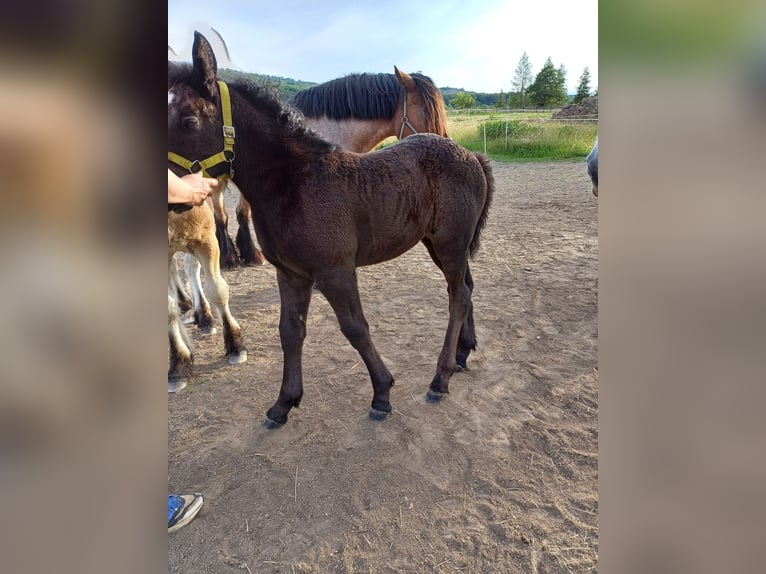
193 232
320 212
356 112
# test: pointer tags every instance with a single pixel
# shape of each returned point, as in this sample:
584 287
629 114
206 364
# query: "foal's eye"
190 123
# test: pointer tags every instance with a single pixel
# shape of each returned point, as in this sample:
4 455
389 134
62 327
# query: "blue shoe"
182 509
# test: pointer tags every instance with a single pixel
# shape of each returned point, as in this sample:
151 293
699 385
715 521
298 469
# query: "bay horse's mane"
367 97
264 97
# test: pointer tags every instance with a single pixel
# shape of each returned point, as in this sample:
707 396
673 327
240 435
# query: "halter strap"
405 120
229 134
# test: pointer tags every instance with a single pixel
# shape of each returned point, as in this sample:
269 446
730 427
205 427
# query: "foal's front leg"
342 292
295 296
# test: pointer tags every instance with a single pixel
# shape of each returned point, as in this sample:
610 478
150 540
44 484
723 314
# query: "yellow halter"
225 156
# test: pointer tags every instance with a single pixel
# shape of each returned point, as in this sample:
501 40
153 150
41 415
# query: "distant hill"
286 86
482 98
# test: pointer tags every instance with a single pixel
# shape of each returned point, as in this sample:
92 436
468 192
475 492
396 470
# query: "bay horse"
193 232
356 112
319 212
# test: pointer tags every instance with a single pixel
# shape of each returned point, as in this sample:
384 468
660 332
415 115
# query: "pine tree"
522 78
548 89
583 89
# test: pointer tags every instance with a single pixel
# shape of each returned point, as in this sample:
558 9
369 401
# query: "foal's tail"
490 183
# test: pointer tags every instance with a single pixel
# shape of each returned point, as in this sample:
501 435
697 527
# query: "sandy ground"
499 477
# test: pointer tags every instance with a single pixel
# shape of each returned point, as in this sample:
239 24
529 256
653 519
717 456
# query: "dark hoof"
434 396
229 264
376 415
273 421
271 424
229 258
461 367
255 260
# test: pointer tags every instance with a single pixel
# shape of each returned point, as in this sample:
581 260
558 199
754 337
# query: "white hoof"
175 386
238 358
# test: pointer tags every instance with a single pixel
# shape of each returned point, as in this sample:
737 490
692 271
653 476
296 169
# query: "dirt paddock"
499 477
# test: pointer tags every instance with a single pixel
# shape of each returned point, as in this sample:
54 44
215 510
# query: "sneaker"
182 509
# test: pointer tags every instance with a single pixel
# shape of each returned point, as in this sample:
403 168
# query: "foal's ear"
405 80
205 66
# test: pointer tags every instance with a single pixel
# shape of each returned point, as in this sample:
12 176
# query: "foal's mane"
264 98
367 97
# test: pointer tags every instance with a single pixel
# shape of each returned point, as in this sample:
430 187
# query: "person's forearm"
178 190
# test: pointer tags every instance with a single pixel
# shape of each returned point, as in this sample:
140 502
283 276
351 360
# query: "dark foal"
320 211
356 112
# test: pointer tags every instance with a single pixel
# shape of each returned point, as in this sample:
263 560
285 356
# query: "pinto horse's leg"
176 288
342 292
248 252
203 316
217 291
467 338
181 359
295 297
228 257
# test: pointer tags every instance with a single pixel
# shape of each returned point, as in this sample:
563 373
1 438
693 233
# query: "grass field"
522 135
519 135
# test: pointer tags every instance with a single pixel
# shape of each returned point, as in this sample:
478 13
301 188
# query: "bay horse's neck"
355 135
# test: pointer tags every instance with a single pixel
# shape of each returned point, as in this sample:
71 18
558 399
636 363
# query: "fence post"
485 137
506 135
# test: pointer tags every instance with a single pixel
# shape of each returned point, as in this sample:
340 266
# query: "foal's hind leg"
341 291
454 264
218 292
467 338
248 252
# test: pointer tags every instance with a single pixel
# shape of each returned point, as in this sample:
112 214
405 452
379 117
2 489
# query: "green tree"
463 101
583 89
501 101
522 77
562 72
548 89
514 100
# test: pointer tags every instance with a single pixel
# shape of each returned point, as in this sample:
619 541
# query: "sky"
473 45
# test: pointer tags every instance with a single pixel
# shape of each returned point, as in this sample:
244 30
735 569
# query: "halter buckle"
229 132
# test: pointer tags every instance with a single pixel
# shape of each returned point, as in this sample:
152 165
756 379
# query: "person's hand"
199 187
